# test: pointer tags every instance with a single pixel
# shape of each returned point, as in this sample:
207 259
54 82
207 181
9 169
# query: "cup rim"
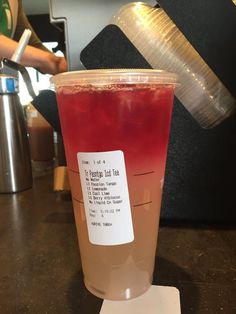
114 76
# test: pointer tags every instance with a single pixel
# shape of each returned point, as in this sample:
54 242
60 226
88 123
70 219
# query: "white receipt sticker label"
106 197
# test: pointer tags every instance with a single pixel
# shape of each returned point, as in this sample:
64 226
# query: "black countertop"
40 269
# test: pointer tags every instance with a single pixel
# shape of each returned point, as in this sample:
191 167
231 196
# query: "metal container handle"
10 67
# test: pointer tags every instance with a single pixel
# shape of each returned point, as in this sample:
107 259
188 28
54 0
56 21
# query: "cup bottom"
126 294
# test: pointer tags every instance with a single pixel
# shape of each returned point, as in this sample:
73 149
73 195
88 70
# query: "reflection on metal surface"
15 163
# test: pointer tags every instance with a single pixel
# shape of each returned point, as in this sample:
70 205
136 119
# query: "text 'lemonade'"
116 134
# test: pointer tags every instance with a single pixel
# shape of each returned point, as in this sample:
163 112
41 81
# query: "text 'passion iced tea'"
115 126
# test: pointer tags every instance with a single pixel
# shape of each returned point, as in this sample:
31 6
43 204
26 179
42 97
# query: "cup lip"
114 76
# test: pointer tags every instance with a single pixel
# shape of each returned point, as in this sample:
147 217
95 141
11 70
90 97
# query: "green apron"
6 19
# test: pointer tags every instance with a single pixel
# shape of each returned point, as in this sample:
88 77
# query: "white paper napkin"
157 300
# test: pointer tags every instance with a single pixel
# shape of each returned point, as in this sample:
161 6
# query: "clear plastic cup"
165 47
115 126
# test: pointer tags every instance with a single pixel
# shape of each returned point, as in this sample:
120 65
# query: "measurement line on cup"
75 171
137 205
143 174
78 201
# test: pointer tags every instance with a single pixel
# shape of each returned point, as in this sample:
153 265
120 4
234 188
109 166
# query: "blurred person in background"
13 22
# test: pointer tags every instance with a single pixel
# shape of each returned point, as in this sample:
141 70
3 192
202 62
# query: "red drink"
130 123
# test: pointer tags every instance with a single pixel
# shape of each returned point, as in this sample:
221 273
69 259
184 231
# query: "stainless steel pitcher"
15 164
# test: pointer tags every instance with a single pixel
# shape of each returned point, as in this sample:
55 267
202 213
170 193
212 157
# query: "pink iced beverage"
116 134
